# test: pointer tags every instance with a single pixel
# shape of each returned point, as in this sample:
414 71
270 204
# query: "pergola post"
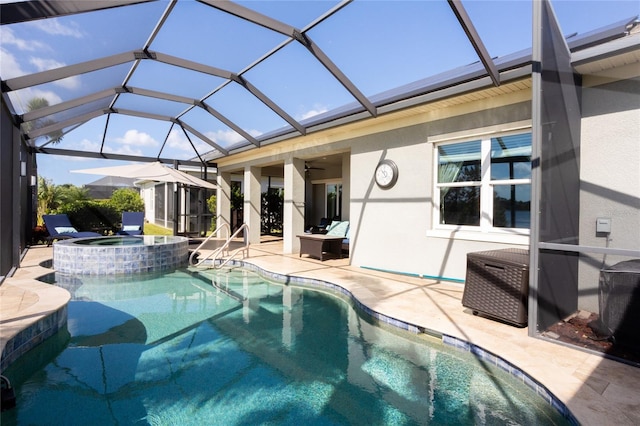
293 215
223 200
252 202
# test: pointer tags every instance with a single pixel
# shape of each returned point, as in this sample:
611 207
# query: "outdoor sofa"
59 227
132 223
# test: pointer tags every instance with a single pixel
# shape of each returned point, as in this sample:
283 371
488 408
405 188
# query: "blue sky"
379 45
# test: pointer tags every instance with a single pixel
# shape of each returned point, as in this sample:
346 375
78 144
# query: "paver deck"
598 391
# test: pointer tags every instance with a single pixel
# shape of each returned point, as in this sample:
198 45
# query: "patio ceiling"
209 78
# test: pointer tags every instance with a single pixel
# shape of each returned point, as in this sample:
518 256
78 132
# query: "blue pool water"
189 348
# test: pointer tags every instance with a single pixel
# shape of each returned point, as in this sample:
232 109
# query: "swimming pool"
175 349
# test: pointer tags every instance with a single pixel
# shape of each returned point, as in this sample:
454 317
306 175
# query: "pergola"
117 71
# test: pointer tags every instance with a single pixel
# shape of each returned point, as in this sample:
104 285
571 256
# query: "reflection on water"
231 348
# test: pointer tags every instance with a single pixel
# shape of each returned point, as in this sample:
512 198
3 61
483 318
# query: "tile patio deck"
597 391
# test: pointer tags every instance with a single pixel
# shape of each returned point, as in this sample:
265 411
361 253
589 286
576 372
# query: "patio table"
321 246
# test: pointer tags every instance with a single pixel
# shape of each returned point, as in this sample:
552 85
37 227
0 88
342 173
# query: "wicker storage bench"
497 284
619 301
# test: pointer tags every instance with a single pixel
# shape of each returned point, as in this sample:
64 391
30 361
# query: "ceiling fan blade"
307 167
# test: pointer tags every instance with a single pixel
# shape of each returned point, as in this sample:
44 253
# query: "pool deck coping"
596 390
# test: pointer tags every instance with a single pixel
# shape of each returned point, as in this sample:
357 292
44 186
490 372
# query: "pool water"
174 349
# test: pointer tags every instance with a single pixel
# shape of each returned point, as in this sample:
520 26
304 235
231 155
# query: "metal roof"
224 77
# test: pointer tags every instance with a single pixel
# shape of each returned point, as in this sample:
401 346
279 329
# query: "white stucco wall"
391 227
610 177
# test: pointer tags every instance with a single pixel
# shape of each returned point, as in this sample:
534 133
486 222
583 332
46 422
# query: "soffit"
328 141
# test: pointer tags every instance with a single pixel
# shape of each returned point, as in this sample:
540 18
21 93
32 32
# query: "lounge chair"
132 223
59 227
341 229
319 229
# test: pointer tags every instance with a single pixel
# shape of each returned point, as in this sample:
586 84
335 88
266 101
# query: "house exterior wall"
393 228
610 175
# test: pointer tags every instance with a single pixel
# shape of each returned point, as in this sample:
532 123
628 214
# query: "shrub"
92 215
211 204
126 200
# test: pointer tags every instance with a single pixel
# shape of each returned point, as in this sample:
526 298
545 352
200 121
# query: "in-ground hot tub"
120 254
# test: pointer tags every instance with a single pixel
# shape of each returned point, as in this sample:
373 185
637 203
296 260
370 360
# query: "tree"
213 208
36 104
272 210
126 200
47 197
68 194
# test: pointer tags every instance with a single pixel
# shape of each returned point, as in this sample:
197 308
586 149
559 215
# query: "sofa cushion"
66 230
339 230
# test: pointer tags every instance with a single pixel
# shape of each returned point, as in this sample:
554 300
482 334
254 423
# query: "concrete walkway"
596 390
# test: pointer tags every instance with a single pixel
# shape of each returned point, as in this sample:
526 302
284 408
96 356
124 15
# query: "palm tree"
33 105
47 197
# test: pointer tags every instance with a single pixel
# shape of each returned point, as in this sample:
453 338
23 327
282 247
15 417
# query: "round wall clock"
386 174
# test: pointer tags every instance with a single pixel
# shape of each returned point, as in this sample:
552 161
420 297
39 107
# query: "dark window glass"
511 206
460 205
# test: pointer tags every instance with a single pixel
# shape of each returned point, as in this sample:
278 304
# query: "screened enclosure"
586 233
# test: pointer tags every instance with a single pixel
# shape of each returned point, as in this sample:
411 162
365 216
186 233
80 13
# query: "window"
485 183
334 200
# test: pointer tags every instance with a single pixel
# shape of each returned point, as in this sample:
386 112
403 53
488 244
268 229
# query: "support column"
253 202
293 215
346 186
223 200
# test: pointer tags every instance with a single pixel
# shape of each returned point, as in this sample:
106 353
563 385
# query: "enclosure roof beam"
469 29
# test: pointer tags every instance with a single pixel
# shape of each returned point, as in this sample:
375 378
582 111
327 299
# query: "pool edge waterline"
448 340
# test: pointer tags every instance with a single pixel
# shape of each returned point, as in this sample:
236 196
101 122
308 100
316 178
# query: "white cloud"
224 137
124 150
50 96
21 98
228 137
8 38
88 145
54 27
135 138
9 66
313 112
177 140
42 64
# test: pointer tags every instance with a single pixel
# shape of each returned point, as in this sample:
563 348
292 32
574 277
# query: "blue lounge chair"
132 223
59 227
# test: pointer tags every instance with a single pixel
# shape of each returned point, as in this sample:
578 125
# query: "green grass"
152 229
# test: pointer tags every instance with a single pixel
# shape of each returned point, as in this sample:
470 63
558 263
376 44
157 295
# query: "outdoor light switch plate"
603 225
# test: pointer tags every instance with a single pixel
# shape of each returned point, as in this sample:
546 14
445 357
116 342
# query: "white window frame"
485 231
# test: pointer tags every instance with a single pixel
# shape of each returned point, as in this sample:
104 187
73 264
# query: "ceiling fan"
308 166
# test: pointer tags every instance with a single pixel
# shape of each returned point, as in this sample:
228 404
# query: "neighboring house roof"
114 181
